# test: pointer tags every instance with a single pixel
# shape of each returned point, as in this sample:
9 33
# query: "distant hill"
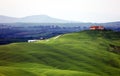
32 19
47 19
86 53
6 19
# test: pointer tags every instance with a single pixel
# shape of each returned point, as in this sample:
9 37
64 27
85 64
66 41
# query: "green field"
86 53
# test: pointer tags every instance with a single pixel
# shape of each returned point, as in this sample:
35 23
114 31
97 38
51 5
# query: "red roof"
94 26
97 27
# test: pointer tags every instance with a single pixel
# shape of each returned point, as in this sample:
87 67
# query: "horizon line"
73 21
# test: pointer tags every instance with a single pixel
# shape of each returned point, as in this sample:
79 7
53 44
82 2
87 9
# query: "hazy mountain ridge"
32 19
6 19
43 19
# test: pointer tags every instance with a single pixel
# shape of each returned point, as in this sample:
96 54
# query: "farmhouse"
97 28
32 41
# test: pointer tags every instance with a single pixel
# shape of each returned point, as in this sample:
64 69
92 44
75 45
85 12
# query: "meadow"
85 53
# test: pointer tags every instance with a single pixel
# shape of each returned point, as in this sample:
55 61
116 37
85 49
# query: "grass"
86 53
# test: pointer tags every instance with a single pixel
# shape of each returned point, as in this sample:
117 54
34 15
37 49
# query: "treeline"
10 34
21 32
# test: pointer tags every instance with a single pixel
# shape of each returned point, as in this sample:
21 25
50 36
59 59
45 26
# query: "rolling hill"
86 53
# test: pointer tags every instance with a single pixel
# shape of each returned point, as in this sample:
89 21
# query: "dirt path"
57 36
54 38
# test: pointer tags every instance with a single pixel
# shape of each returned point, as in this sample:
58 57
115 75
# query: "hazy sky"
77 10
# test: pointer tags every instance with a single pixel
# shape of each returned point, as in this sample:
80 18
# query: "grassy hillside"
86 53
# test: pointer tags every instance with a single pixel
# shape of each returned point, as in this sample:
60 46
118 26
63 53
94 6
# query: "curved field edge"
41 72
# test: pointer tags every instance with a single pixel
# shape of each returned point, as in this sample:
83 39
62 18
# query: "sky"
75 10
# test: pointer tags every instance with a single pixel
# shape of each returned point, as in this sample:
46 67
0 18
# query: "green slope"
86 53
